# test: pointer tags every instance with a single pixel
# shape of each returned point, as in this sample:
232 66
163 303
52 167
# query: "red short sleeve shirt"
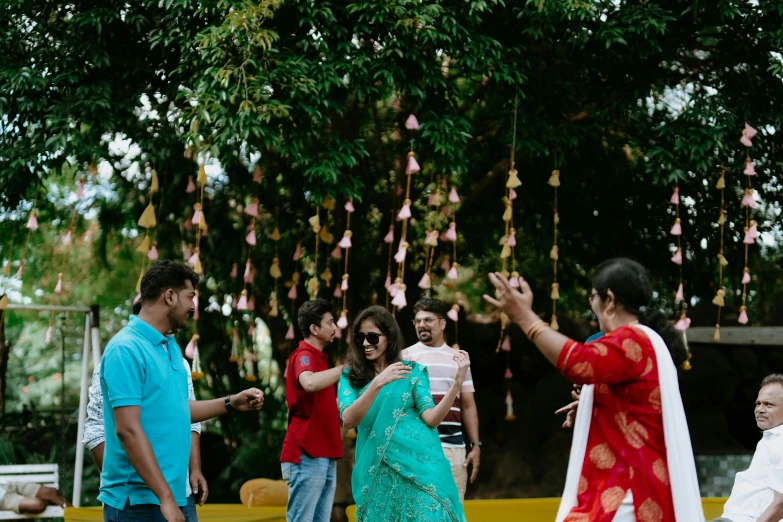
313 419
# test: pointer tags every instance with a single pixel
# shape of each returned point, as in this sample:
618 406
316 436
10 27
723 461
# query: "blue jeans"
311 485
147 512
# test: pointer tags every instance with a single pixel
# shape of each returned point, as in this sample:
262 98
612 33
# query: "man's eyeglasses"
426 321
372 337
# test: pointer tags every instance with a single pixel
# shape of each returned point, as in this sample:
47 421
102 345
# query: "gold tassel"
557 218
350 434
506 252
275 235
555 295
147 219
202 221
325 236
721 184
313 286
716 337
719 298
144 247
553 254
326 275
7 268
315 223
138 283
198 268
513 179
3 302
328 203
201 179
274 270
508 213
505 273
554 179
274 312
553 323
154 187
432 237
722 260
722 218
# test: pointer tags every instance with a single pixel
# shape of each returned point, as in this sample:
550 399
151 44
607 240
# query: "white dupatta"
679 453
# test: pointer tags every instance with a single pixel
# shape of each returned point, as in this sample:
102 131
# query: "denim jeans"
146 512
311 486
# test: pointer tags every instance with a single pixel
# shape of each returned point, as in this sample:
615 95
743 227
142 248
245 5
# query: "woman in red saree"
631 457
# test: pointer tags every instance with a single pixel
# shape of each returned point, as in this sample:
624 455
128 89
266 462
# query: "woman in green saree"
401 473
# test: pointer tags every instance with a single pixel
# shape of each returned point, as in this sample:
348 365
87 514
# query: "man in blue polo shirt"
147 414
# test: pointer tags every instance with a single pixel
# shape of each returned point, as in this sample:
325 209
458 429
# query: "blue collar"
147 331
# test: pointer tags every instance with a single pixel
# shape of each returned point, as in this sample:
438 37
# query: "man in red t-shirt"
313 442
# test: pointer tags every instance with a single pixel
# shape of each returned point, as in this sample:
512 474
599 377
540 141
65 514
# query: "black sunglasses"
372 338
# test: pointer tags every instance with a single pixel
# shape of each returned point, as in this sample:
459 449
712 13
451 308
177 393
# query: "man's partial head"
170 286
316 321
769 404
429 319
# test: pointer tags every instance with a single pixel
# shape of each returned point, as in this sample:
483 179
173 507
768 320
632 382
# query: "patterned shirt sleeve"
94 434
196 426
617 357
422 396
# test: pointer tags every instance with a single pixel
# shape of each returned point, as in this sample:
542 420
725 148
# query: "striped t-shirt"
442 367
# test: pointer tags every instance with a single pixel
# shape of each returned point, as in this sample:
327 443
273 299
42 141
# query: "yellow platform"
517 510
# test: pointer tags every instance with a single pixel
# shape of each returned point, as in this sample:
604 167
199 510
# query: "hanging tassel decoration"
677 257
554 179
242 304
683 323
289 335
342 322
743 316
59 286
453 313
676 228
675 199
399 298
509 407
32 221
719 299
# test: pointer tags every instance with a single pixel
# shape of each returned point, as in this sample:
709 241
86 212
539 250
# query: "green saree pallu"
401 473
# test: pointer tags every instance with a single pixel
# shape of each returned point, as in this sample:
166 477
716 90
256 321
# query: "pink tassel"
345 242
250 330
337 253
393 289
675 197
453 315
446 263
413 165
152 255
399 257
512 238
257 174
746 277
190 349
754 232
445 210
234 301
242 305
425 282
508 374
680 293
67 238
188 225
338 334
453 196
750 132
48 335
191 188
405 211
512 194
749 237
59 286
196 216
298 252
248 277
195 307
746 141
344 285
289 335
80 190
252 208
342 322
443 235
743 317
251 238
749 168
389 238
676 228
388 282
509 398
451 233
32 222
349 206
399 187
412 123
338 292
453 272
399 299
19 272
677 257
748 200
192 260
233 274
683 324
293 293
506 344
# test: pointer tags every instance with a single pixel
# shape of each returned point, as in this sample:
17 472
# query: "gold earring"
611 316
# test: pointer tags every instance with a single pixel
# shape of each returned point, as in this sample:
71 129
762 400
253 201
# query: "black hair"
629 281
136 307
435 306
163 275
360 370
311 313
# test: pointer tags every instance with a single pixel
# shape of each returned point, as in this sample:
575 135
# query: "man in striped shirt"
433 352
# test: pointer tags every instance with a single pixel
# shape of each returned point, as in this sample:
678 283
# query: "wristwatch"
229 408
474 444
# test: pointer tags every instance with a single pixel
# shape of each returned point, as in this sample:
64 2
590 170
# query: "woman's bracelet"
536 329
533 326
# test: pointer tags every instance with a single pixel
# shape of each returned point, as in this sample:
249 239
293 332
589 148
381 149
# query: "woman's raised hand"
463 365
517 304
393 372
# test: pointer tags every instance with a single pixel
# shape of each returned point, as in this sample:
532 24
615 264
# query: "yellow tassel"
198 268
554 179
326 275
274 270
555 295
295 278
513 179
503 320
553 254
325 236
508 213
315 223
328 203
719 298
722 260
722 218
274 312
154 187
432 238
503 240
275 235
202 221
506 252
553 323
557 218
144 247
504 273
147 219
7 268
313 286
3 302
201 179
721 184
717 333
138 283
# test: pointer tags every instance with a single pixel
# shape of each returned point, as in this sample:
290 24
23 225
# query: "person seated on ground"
25 497
757 495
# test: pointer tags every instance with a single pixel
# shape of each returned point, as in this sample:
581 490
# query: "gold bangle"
545 326
536 330
533 327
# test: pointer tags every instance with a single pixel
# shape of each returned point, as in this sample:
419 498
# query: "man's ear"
168 296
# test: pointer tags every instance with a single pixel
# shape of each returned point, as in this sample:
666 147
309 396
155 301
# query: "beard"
425 335
178 319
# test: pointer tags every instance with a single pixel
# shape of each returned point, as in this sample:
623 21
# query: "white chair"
44 474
